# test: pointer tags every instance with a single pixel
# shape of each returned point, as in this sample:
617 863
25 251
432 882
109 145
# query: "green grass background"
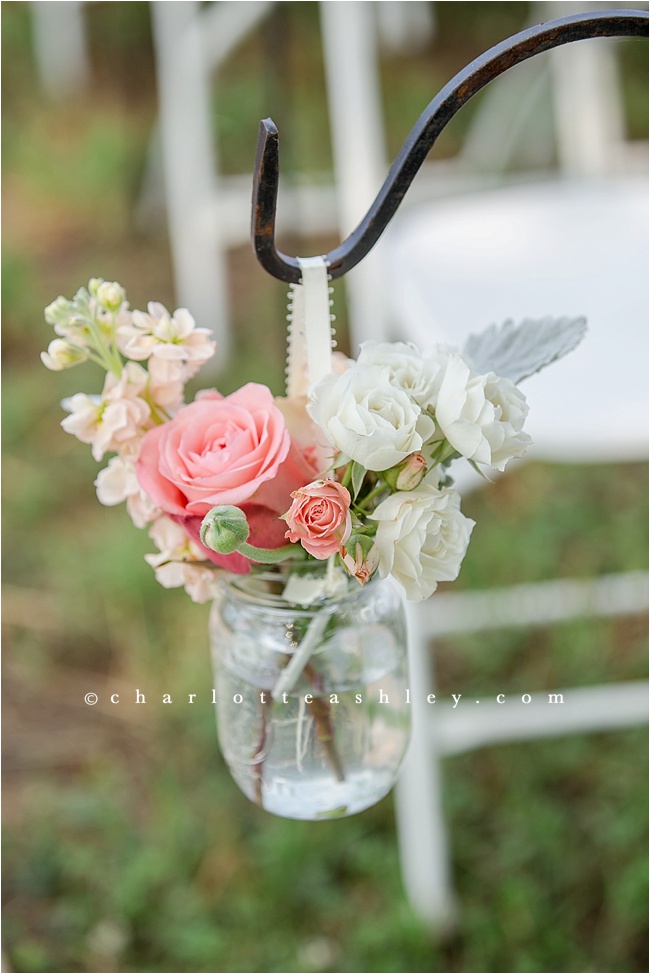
127 847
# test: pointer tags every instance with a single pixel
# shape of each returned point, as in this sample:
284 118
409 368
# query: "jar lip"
255 588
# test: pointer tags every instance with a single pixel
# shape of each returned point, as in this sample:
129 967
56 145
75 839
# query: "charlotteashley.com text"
137 696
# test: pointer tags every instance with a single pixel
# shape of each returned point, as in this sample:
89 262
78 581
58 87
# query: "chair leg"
60 47
421 829
189 167
358 144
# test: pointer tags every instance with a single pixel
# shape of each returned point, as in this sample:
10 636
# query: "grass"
127 846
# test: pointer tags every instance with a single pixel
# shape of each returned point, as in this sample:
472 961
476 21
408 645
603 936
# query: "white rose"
482 416
367 419
410 370
421 538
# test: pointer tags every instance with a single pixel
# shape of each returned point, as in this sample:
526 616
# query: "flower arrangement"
358 473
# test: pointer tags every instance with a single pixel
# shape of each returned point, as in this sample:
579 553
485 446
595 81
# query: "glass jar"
312 699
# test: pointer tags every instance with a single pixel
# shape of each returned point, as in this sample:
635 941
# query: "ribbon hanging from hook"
309 357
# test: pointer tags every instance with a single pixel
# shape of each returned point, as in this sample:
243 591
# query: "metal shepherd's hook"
520 47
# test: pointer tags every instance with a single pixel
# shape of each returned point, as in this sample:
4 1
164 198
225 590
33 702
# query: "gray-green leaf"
358 473
517 351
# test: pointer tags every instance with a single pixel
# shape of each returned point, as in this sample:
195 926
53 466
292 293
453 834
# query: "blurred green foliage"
127 846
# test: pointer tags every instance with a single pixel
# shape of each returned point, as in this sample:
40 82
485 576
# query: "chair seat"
555 248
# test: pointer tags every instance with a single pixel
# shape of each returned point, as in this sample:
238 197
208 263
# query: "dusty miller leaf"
517 351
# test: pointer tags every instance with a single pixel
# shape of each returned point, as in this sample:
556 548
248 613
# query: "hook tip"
268 128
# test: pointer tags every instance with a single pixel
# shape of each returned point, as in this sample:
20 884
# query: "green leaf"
358 473
480 472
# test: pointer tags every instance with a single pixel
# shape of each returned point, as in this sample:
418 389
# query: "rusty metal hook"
519 47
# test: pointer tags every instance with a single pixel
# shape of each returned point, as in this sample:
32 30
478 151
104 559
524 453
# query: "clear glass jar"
312 708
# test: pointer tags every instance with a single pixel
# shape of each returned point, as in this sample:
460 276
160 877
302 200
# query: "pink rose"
319 518
224 450
217 450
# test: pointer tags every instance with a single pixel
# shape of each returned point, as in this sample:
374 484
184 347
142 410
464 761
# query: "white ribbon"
310 332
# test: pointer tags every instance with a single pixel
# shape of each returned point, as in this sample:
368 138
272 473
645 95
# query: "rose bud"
319 518
407 474
224 529
361 557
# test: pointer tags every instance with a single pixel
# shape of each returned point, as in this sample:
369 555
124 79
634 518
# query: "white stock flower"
367 419
481 416
117 483
63 355
410 370
421 538
173 338
118 420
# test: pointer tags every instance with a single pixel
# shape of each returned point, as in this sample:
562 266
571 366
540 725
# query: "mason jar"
311 689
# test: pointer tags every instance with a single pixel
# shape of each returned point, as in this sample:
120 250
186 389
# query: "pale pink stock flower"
313 452
85 417
200 583
166 383
172 338
181 562
117 483
341 363
319 518
117 422
173 543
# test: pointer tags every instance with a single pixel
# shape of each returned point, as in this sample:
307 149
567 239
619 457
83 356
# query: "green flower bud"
94 283
57 312
63 355
224 529
110 295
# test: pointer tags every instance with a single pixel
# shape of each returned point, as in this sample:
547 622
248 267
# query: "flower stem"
260 752
319 707
322 714
268 556
380 488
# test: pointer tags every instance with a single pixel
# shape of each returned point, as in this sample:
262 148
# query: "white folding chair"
60 47
208 212
565 246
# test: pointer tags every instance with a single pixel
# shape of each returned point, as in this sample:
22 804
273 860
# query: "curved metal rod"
520 47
